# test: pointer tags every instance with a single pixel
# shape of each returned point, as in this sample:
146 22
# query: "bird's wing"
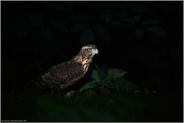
64 72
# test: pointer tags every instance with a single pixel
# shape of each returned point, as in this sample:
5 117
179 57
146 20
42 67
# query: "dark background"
143 38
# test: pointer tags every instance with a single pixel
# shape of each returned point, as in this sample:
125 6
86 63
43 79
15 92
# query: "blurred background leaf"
157 31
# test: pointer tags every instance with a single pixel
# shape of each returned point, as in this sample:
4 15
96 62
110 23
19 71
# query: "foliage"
85 108
113 104
108 79
114 107
136 18
138 24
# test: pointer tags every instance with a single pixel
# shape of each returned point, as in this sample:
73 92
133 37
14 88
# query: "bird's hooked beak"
95 51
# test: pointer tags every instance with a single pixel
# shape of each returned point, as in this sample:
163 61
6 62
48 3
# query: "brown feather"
66 74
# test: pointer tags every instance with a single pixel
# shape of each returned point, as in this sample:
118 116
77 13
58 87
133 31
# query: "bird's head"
86 53
89 50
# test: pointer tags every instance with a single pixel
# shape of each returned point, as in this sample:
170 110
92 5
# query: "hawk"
66 74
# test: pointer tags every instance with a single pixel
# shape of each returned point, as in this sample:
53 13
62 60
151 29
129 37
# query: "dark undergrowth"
107 97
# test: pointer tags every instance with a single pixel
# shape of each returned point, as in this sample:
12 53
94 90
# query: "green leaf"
116 73
89 85
99 74
90 92
103 77
96 75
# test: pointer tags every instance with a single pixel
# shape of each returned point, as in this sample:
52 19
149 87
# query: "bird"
66 74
